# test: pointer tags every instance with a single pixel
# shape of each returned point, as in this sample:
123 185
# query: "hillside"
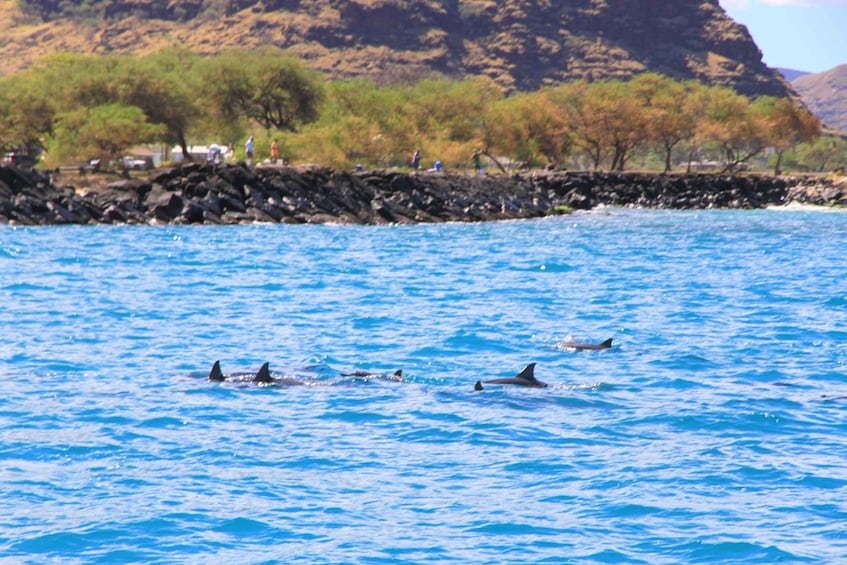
523 44
826 95
792 74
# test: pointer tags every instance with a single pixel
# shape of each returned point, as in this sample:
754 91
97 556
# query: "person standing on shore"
274 151
416 160
248 148
477 161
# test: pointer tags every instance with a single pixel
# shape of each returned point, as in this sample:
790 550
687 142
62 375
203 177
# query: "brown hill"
826 95
523 44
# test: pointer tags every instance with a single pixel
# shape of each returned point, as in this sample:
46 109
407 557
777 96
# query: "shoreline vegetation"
72 109
200 193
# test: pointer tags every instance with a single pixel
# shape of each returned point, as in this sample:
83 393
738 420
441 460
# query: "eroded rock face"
522 44
232 194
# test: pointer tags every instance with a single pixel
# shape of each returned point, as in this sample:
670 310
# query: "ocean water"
713 431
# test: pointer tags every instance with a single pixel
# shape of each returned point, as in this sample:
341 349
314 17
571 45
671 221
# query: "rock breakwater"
232 194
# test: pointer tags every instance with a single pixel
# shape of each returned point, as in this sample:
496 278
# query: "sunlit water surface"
712 432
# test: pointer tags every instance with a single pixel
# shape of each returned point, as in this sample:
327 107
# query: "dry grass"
340 48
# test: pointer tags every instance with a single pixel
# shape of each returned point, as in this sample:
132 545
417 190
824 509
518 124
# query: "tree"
287 94
268 87
823 154
624 124
447 118
669 119
786 125
104 132
605 119
159 85
583 116
530 127
30 109
166 88
730 121
359 123
696 101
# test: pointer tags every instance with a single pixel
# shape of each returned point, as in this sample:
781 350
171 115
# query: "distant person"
274 151
215 153
477 161
438 168
416 160
248 147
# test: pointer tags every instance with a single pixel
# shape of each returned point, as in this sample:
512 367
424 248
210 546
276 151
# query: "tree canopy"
84 106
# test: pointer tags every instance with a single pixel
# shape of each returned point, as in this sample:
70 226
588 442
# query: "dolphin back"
264 375
584 346
528 374
524 378
216 374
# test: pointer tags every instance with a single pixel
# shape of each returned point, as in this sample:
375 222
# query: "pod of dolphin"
525 378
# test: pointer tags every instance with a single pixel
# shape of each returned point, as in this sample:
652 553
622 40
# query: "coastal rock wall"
233 194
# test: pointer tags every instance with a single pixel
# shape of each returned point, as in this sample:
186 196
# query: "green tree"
287 94
160 85
826 153
359 123
30 107
166 87
273 89
105 132
786 125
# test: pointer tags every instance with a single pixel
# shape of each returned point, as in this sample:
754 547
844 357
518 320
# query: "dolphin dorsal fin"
607 343
528 374
264 375
398 373
215 374
478 386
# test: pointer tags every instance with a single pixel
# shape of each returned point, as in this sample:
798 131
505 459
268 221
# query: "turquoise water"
712 432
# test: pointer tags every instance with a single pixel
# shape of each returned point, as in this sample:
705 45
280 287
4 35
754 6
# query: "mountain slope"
826 95
522 44
792 74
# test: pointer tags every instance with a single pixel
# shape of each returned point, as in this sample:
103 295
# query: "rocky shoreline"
234 194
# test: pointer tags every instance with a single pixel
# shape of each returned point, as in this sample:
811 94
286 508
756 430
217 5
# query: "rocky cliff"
522 44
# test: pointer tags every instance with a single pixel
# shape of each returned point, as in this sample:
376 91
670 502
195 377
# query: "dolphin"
580 346
395 376
524 378
215 374
262 377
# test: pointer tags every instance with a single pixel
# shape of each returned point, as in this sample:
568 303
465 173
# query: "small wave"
735 552
803 207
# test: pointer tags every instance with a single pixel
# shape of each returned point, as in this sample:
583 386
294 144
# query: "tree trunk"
778 168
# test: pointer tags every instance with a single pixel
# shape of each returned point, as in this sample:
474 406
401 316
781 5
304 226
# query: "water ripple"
710 433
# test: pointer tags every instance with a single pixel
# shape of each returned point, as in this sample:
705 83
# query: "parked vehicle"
90 166
137 164
19 159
